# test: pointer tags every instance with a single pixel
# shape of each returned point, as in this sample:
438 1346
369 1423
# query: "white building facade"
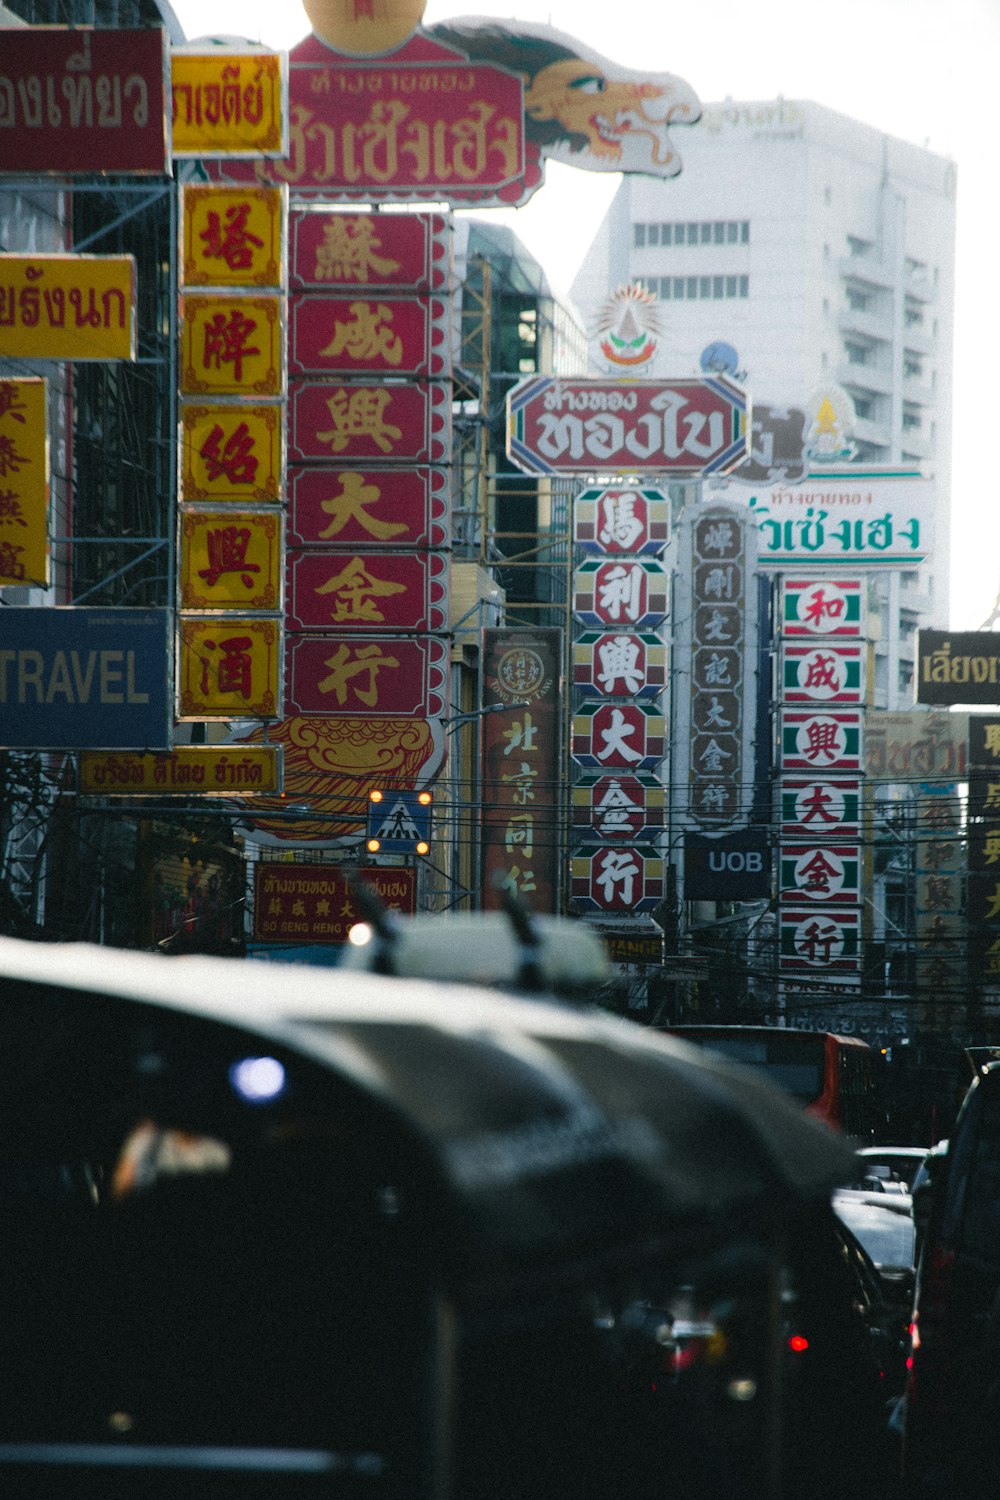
822 252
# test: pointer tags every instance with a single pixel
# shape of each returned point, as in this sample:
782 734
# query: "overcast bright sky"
923 70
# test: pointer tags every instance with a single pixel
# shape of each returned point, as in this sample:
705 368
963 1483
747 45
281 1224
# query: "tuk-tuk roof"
546 1124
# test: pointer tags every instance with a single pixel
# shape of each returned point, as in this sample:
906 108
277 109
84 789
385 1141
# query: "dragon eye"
590 83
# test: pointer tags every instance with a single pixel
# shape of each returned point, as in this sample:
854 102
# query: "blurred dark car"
887 1234
952 1404
890 1168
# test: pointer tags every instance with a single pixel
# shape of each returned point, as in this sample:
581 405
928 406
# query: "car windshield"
886 1235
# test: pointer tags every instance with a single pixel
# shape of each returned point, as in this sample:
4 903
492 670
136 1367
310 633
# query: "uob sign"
729 867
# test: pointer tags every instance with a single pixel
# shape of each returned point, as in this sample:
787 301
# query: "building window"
639 236
863 407
911 421
912 365
857 246
857 301
857 354
699 288
653 233
701 232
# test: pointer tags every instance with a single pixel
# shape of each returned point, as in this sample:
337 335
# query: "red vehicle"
834 1077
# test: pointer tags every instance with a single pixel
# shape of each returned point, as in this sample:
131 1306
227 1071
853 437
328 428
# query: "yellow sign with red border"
229 102
187 770
24 482
232 561
67 307
232 346
229 667
233 236
232 453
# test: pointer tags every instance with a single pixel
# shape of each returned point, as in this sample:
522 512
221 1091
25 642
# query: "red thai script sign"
314 903
362 420
73 99
354 335
521 767
335 250
585 426
423 124
374 676
370 591
342 507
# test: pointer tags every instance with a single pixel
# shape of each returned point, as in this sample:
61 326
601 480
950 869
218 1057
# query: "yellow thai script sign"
228 102
233 236
232 346
24 483
233 453
232 561
207 770
229 667
67 306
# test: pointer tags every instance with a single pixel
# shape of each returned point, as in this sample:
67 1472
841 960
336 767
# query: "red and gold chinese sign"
228 102
232 439
314 903
77 307
78 99
521 776
24 483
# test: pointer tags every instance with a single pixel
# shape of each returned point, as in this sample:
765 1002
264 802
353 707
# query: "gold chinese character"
360 414
366 335
350 505
355 590
348 251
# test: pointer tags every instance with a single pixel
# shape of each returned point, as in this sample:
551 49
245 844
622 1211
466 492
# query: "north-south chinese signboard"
24 482
83 99
74 307
232 345
825 607
590 426
617 880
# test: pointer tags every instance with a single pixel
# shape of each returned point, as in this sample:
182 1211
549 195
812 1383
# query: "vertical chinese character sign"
24 483
820 682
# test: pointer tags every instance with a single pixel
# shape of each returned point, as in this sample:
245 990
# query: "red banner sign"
349 250
354 421
341 507
354 335
73 99
369 591
382 676
422 124
585 426
314 903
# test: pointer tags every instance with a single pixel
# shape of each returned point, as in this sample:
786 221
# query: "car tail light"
930 1362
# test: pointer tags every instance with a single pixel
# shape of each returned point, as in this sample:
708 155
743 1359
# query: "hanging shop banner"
827 808
828 741
205 770
946 908
589 426
364 421
232 453
631 593
521 772
75 307
915 745
232 346
620 664
820 872
231 560
73 677
24 482
618 736
821 607
830 673
355 336
334 250
371 591
232 236
732 866
229 667
316 903
632 521
851 516
621 808
78 99
717 646
372 676
422 125
958 666
370 507
616 880
826 942
229 102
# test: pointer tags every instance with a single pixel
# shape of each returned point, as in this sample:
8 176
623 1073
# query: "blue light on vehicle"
257 1079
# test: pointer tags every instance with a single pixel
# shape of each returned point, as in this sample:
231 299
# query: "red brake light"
798 1343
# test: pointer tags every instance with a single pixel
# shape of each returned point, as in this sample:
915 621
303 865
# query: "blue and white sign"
75 678
400 822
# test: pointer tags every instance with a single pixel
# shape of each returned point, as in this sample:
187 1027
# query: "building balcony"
865 378
920 287
866 431
918 340
871 325
865 270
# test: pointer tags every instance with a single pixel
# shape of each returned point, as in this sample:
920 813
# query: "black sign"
958 666
728 866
